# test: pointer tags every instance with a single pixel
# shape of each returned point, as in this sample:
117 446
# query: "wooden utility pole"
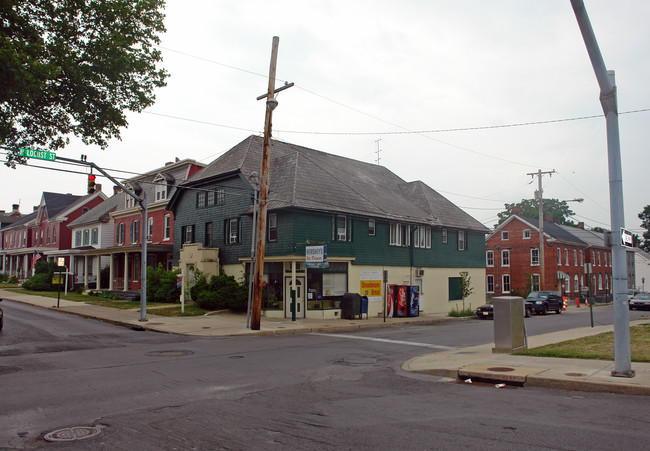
539 174
271 103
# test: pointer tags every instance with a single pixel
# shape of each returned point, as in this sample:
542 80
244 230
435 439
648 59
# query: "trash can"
350 305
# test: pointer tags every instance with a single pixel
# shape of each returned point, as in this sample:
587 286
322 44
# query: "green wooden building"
372 222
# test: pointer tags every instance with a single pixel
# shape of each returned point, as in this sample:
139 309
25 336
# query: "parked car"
631 293
640 302
1 316
543 301
487 311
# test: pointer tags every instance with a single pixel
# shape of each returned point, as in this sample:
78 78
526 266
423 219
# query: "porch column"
86 272
111 272
126 271
99 272
11 265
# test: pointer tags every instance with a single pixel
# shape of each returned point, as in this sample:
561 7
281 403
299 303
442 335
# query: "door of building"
300 297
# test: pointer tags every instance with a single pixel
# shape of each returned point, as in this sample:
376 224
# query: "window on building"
341 228
161 189
232 231
48 238
534 282
593 258
505 235
559 257
462 240
208 235
53 235
422 237
489 258
582 259
400 234
135 231
77 238
168 227
86 237
94 236
273 227
534 257
188 233
210 199
505 257
490 283
566 257
505 281
220 196
598 258
576 284
526 234
600 281
444 236
200 199
149 229
371 227
129 202
575 257
120 230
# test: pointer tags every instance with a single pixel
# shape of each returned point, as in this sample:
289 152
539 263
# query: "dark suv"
543 301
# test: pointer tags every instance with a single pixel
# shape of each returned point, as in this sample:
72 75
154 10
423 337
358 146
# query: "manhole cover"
500 369
576 374
72 434
173 353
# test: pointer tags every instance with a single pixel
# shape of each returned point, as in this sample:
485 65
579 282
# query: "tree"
75 68
529 208
644 216
466 288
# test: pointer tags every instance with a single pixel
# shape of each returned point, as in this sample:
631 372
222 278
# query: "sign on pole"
38 154
626 238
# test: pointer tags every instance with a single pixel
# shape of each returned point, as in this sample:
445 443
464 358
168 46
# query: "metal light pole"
607 84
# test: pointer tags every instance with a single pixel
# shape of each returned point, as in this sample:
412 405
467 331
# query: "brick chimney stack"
15 210
581 225
516 211
116 189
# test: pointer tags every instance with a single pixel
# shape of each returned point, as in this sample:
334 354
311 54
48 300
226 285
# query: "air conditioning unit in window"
419 272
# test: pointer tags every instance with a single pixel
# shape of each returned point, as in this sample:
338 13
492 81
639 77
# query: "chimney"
549 218
15 210
35 207
116 189
516 211
168 163
581 225
98 187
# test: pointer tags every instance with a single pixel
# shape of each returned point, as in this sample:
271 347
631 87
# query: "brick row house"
576 261
45 231
7 219
123 251
370 219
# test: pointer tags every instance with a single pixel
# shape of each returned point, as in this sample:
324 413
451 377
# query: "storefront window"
272 293
325 287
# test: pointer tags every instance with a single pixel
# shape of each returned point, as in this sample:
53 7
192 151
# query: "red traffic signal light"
91 184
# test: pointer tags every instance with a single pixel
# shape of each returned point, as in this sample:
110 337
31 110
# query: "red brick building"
576 261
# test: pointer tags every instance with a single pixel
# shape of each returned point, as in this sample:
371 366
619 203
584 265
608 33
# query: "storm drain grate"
72 434
500 369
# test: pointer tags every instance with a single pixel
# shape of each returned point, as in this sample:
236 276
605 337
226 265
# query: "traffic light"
91 183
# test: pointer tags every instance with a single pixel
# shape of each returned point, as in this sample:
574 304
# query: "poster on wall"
370 285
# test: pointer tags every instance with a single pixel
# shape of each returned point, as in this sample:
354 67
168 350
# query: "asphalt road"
147 391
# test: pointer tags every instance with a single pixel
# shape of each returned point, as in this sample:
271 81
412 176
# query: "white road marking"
386 340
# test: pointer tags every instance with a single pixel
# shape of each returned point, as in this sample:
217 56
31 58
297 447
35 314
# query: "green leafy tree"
162 285
75 68
644 216
529 208
466 288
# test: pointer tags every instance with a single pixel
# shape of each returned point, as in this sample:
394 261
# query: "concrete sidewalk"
476 362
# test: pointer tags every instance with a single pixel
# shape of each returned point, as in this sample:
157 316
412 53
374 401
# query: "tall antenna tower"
378 150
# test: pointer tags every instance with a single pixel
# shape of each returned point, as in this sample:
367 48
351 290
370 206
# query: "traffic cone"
586 302
565 301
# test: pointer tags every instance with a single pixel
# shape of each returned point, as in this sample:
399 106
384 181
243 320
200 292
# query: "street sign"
626 238
38 154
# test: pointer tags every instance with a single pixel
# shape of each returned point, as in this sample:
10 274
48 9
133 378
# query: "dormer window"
161 187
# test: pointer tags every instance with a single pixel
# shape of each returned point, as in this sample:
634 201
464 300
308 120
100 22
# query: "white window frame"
168 228
505 235
575 257
135 231
462 240
149 228
341 232
559 256
534 282
505 287
444 236
233 232
534 257
582 258
505 258
189 234
566 257
526 234
489 259
273 227
94 236
161 190
371 227
489 281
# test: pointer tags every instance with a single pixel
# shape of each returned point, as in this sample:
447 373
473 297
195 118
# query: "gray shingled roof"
55 203
315 180
97 214
557 231
588 236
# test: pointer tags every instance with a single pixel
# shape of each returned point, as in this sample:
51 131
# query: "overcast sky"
405 78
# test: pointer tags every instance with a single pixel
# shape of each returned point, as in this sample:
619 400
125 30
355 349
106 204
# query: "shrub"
12 279
39 282
221 292
161 285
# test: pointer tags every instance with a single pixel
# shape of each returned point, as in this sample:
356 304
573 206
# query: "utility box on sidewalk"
509 329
